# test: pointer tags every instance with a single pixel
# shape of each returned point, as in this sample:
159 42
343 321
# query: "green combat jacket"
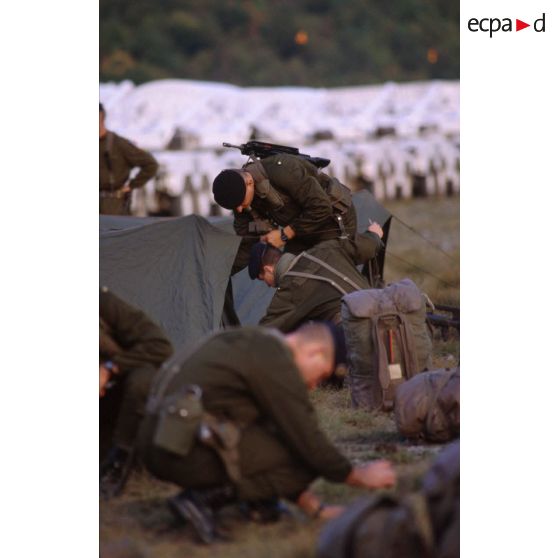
304 205
300 299
128 337
248 376
117 158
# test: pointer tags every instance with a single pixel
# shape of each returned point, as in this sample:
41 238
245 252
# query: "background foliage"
279 42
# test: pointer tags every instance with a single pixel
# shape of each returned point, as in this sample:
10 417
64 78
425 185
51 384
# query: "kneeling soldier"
131 348
232 422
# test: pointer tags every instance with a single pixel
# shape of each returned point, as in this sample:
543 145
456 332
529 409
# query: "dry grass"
138 523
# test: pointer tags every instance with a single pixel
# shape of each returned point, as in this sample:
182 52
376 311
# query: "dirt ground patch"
139 525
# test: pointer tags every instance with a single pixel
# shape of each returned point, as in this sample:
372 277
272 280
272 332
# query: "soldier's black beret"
256 254
229 189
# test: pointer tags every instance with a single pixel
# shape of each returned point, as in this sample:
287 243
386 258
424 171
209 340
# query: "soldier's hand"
376 474
274 238
376 228
312 506
125 189
104 377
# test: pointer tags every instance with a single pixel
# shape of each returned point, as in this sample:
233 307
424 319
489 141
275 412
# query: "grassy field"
138 524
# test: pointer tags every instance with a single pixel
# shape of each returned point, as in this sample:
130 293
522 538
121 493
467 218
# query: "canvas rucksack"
424 524
427 406
387 341
379 526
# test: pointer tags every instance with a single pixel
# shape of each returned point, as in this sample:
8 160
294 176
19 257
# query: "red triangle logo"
519 25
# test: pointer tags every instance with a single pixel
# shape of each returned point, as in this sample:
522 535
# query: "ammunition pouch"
179 419
224 438
182 421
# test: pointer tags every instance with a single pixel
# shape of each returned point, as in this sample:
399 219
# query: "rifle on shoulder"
261 150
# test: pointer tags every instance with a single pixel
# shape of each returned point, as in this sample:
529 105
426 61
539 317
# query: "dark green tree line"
279 42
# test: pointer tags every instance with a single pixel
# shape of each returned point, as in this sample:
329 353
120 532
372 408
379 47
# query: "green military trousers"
267 466
122 408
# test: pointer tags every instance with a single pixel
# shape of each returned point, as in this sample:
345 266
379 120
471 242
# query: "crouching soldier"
233 423
310 286
131 348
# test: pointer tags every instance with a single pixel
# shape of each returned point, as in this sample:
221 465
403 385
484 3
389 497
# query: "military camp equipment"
427 406
441 488
143 259
261 150
445 318
423 524
180 417
387 341
381 526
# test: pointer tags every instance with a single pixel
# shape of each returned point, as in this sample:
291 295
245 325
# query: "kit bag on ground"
441 489
387 341
419 525
427 406
380 526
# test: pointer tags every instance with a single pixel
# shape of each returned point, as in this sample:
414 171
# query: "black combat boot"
114 472
199 508
263 511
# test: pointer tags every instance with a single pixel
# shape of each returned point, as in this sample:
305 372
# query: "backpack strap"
332 270
406 345
317 278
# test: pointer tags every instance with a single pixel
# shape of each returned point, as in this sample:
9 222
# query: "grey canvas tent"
177 269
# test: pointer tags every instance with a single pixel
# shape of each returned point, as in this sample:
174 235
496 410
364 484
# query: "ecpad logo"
494 24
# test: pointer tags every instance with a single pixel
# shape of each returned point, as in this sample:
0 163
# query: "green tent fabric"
177 269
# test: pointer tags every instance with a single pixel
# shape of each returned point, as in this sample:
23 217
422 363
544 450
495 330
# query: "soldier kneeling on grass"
232 423
131 348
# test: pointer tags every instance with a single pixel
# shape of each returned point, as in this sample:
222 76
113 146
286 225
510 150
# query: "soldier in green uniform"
310 286
285 201
260 439
117 157
131 348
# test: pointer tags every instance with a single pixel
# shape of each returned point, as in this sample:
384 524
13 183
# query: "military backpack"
387 341
423 524
427 406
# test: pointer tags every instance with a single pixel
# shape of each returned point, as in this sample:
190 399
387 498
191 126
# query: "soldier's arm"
137 157
141 340
282 313
241 223
282 396
365 247
309 195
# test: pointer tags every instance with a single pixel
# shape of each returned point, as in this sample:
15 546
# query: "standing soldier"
131 348
117 158
232 421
